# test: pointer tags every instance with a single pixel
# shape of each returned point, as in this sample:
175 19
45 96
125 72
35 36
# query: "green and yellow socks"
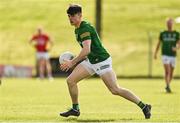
141 105
75 106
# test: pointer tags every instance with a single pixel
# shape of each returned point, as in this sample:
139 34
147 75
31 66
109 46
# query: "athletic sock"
167 86
141 105
75 106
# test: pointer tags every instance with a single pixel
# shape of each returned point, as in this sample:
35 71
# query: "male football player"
170 40
97 60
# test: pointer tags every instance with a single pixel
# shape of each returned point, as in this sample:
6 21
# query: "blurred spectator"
42 44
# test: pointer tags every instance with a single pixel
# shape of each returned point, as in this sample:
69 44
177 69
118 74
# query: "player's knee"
167 73
118 91
70 81
114 91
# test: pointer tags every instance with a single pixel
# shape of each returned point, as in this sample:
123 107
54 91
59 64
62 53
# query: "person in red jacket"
42 44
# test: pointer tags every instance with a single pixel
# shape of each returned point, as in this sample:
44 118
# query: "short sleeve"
46 37
85 34
34 37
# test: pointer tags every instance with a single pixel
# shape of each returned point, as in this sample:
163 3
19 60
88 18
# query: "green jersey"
168 40
87 32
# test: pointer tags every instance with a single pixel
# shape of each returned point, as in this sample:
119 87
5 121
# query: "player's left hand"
66 65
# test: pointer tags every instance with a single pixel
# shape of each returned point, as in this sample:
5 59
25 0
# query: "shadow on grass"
171 93
95 120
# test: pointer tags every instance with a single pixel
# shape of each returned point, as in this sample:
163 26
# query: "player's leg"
79 73
172 66
171 72
41 64
167 61
171 76
105 71
48 65
49 69
109 78
167 69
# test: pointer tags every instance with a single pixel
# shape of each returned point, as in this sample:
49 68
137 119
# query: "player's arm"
50 41
177 46
157 49
49 45
82 55
177 43
32 41
84 52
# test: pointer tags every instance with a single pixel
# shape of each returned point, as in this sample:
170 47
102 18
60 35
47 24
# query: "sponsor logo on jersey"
169 37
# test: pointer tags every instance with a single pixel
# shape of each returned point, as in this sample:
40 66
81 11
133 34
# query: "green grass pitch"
31 100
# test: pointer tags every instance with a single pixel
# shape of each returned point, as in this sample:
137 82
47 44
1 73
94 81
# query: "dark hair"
74 9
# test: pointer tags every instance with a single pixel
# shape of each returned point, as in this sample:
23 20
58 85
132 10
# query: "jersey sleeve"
46 37
85 34
34 37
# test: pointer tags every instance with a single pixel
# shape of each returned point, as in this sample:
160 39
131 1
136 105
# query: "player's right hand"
66 65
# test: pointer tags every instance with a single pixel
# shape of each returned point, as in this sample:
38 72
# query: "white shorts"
42 55
169 60
98 68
